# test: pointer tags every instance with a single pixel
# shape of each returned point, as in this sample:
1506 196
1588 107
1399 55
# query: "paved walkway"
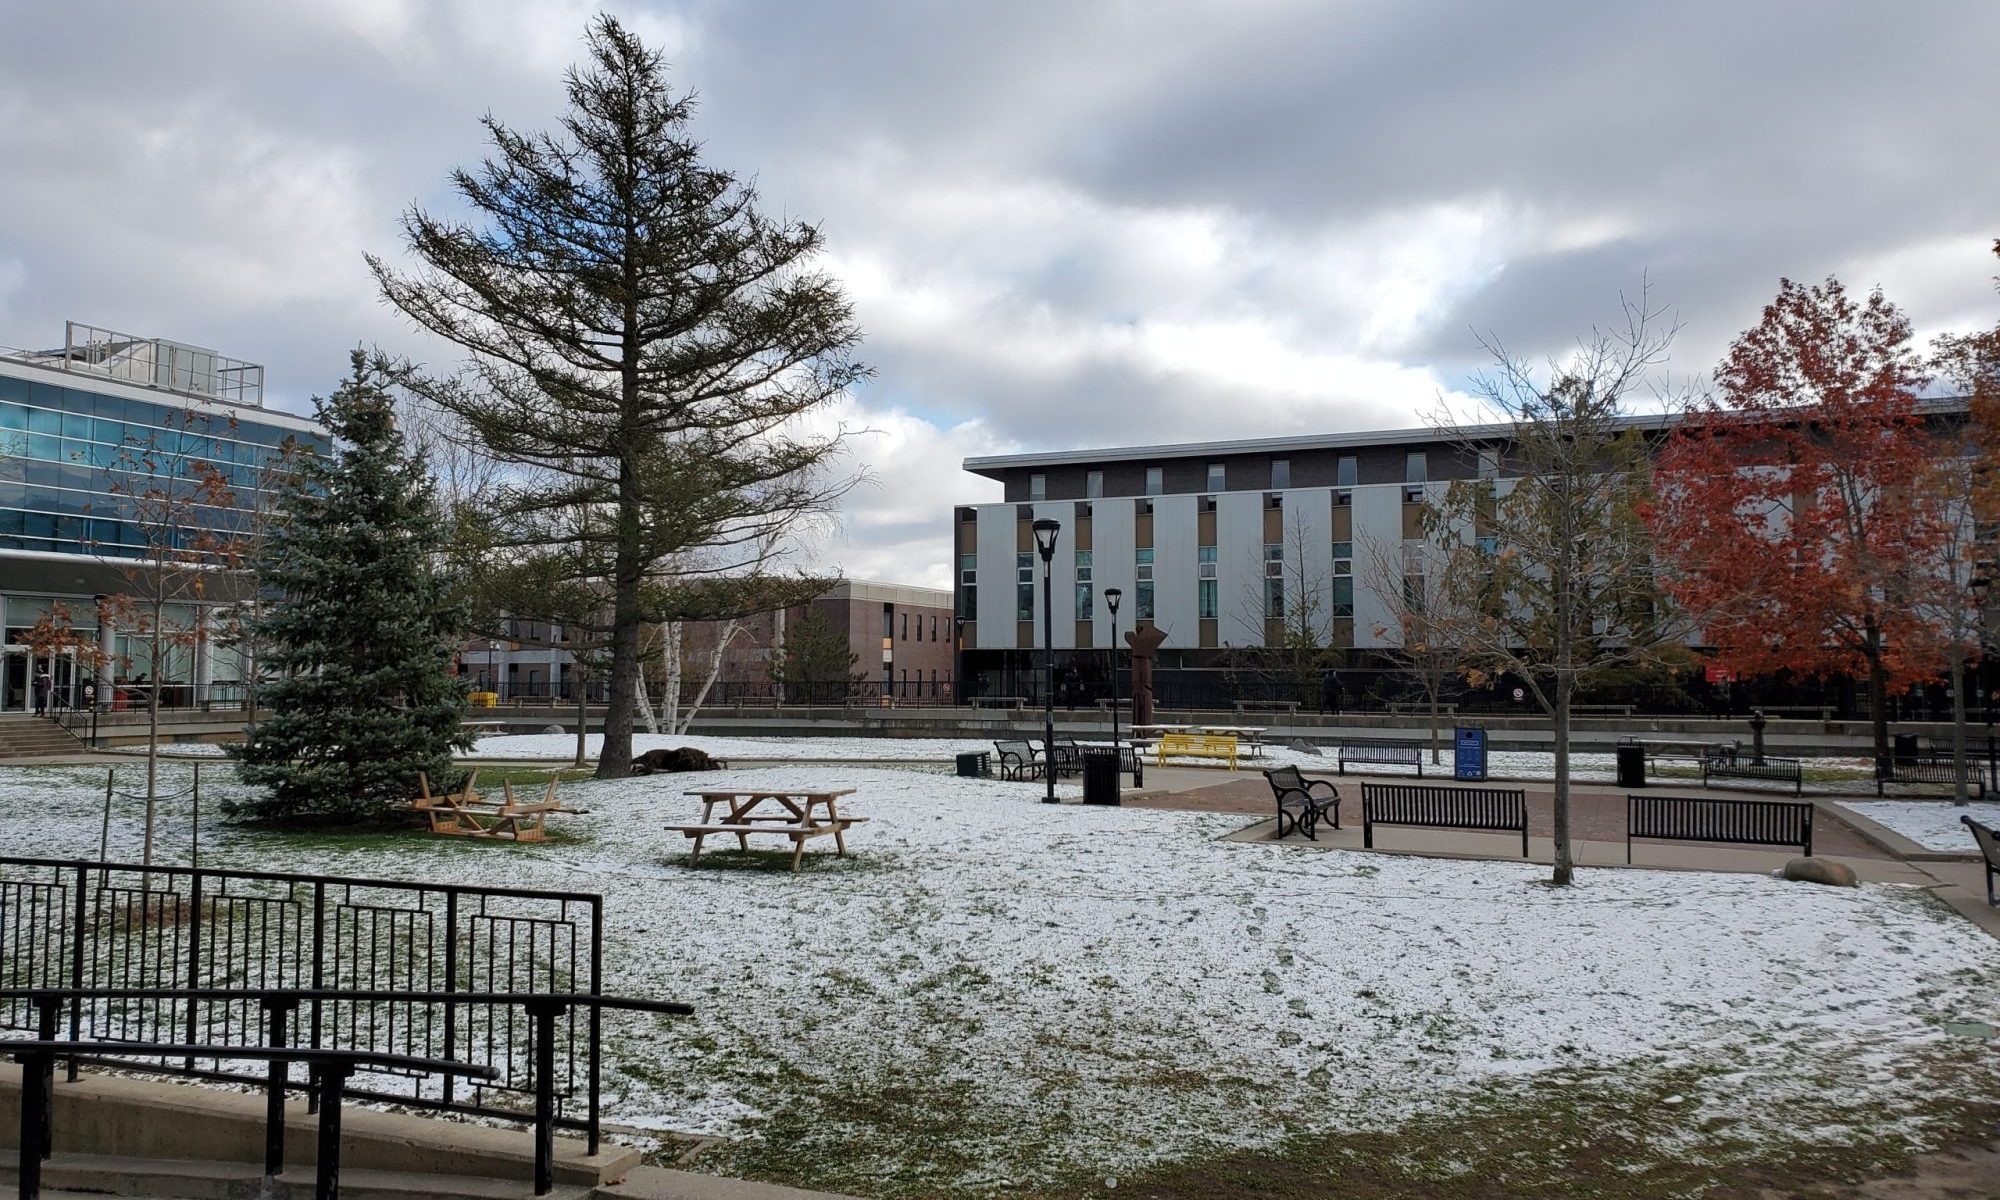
1597 830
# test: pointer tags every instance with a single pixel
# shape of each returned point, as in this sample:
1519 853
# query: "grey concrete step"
155 1119
178 1179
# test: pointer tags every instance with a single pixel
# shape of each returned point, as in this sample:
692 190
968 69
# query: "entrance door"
14 676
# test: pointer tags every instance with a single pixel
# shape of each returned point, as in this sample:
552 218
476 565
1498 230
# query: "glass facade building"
110 448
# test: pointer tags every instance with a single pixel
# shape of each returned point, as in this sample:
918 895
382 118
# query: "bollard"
1757 736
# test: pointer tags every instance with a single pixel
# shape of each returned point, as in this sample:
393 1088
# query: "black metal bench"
1299 803
1989 849
1018 761
1430 806
1400 754
1931 768
1704 819
1771 770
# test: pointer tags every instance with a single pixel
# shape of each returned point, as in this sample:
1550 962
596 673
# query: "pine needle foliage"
359 627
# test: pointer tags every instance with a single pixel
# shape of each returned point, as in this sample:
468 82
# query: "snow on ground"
176 750
1068 989
1932 824
809 749
1515 765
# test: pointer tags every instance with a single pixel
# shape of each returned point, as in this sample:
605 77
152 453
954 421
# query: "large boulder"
1304 747
554 730
680 758
1820 870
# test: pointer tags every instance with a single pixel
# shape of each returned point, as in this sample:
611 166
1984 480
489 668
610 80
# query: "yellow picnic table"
807 814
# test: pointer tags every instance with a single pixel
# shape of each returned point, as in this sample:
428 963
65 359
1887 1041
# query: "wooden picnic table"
801 820
465 813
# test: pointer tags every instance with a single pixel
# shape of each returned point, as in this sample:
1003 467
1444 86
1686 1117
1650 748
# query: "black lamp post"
1982 590
1046 531
958 693
1111 598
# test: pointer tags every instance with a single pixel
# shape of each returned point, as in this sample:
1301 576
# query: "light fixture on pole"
1111 598
1046 531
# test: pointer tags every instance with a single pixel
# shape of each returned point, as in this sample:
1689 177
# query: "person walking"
43 686
1329 691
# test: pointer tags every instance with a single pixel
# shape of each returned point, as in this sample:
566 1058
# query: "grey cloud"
1713 145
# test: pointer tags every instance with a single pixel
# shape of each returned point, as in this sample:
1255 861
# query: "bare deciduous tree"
1549 575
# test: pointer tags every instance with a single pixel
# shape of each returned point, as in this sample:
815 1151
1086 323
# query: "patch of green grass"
1624 1133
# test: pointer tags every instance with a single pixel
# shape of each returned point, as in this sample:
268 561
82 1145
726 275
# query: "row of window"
889 615
123 476
1416 469
26 405
1207 583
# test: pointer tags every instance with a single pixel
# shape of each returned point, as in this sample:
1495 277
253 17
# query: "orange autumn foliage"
1793 512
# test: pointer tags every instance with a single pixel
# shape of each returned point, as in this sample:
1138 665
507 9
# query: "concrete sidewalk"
1597 825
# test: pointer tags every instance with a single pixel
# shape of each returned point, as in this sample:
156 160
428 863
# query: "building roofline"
893 593
991 465
42 372
1310 441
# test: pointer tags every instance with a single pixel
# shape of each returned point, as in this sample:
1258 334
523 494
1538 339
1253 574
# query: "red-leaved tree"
1793 520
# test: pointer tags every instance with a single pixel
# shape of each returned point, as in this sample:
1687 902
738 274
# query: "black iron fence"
1082 681
84 926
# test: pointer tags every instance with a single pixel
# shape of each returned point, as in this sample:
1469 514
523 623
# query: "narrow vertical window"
1038 487
1093 485
1281 474
1345 472
1207 586
1155 480
1217 478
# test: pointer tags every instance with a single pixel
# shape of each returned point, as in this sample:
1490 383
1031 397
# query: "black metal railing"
80 722
329 1068
80 926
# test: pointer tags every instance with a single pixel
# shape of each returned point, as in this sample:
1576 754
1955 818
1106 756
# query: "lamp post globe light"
1046 531
1111 598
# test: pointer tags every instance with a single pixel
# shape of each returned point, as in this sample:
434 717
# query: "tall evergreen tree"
646 345
358 627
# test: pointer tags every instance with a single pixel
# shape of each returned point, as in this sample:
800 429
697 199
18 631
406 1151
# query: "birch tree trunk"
728 635
670 699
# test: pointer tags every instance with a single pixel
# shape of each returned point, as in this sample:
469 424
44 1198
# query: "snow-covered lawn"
809 749
1932 824
1070 991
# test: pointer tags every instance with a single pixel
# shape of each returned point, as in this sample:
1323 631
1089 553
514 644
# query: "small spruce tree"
359 626
815 666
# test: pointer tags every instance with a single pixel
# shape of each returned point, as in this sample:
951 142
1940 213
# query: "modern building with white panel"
1204 540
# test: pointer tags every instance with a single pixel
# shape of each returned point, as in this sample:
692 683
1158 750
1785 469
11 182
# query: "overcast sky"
1061 223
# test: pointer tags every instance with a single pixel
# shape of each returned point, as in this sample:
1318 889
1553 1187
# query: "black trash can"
1100 777
1631 765
972 766
1904 747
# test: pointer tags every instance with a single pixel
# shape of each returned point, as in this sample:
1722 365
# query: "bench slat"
1707 819
1430 806
1407 754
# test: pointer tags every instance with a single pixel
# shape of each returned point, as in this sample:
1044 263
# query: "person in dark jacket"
1329 691
43 686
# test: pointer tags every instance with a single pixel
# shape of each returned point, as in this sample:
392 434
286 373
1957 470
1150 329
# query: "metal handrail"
330 1067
